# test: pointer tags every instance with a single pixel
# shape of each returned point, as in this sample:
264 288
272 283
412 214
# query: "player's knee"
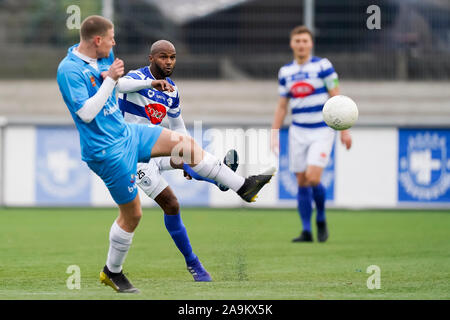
131 219
171 206
301 180
312 180
303 183
192 153
136 217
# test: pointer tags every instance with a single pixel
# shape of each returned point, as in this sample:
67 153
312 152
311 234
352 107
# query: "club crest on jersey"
93 81
155 112
301 90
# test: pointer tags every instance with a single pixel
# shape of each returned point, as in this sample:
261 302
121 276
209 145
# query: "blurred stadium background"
228 56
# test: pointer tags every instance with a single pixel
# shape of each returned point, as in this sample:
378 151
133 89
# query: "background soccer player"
112 148
141 103
305 85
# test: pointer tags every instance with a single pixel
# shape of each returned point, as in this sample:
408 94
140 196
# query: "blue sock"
304 199
178 232
319 194
195 175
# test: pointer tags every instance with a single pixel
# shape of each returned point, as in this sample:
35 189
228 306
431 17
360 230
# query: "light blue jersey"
109 146
307 87
78 81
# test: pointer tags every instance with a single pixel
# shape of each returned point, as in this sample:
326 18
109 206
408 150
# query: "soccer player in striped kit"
141 103
305 84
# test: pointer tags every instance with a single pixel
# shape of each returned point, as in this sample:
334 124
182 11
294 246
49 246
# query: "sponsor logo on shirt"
301 90
107 111
155 112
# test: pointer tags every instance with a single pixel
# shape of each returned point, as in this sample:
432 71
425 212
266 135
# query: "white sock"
213 168
119 244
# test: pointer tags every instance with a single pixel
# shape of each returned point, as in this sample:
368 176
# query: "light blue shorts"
118 171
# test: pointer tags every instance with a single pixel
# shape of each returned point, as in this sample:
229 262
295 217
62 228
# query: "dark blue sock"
178 232
195 175
319 195
304 199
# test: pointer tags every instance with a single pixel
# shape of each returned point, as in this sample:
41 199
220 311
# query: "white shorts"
149 178
309 147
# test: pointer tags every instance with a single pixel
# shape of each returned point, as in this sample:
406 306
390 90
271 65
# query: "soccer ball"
340 112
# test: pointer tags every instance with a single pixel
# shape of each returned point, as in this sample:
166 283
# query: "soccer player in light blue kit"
112 148
305 85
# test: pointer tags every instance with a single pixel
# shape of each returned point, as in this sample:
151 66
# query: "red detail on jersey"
323 155
155 112
93 81
301 90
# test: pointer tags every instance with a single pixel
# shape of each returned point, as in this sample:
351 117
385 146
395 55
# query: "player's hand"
162 85
346 139
104 74
116 70
186 175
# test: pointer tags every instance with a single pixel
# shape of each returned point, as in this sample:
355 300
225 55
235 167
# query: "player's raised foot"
198 271
322 231
305 236
231 160
117 281
253 184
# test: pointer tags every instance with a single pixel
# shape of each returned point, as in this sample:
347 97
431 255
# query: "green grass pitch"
247 251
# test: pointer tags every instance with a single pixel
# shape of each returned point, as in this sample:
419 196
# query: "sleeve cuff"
109 81
149 82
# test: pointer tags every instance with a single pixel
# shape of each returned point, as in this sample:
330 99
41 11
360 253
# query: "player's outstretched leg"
205 164
319 195
120 238
231 160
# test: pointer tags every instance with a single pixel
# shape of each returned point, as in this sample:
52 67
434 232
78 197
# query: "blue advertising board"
62 178
424 165
189 192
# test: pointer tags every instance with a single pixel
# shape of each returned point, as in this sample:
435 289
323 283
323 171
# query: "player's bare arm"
278 119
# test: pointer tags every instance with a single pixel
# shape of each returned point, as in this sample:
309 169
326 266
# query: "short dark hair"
300 30
94 26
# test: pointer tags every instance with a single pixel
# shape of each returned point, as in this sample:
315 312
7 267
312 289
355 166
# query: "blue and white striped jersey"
307 87
148 105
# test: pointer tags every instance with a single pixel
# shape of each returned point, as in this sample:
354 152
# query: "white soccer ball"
340 112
